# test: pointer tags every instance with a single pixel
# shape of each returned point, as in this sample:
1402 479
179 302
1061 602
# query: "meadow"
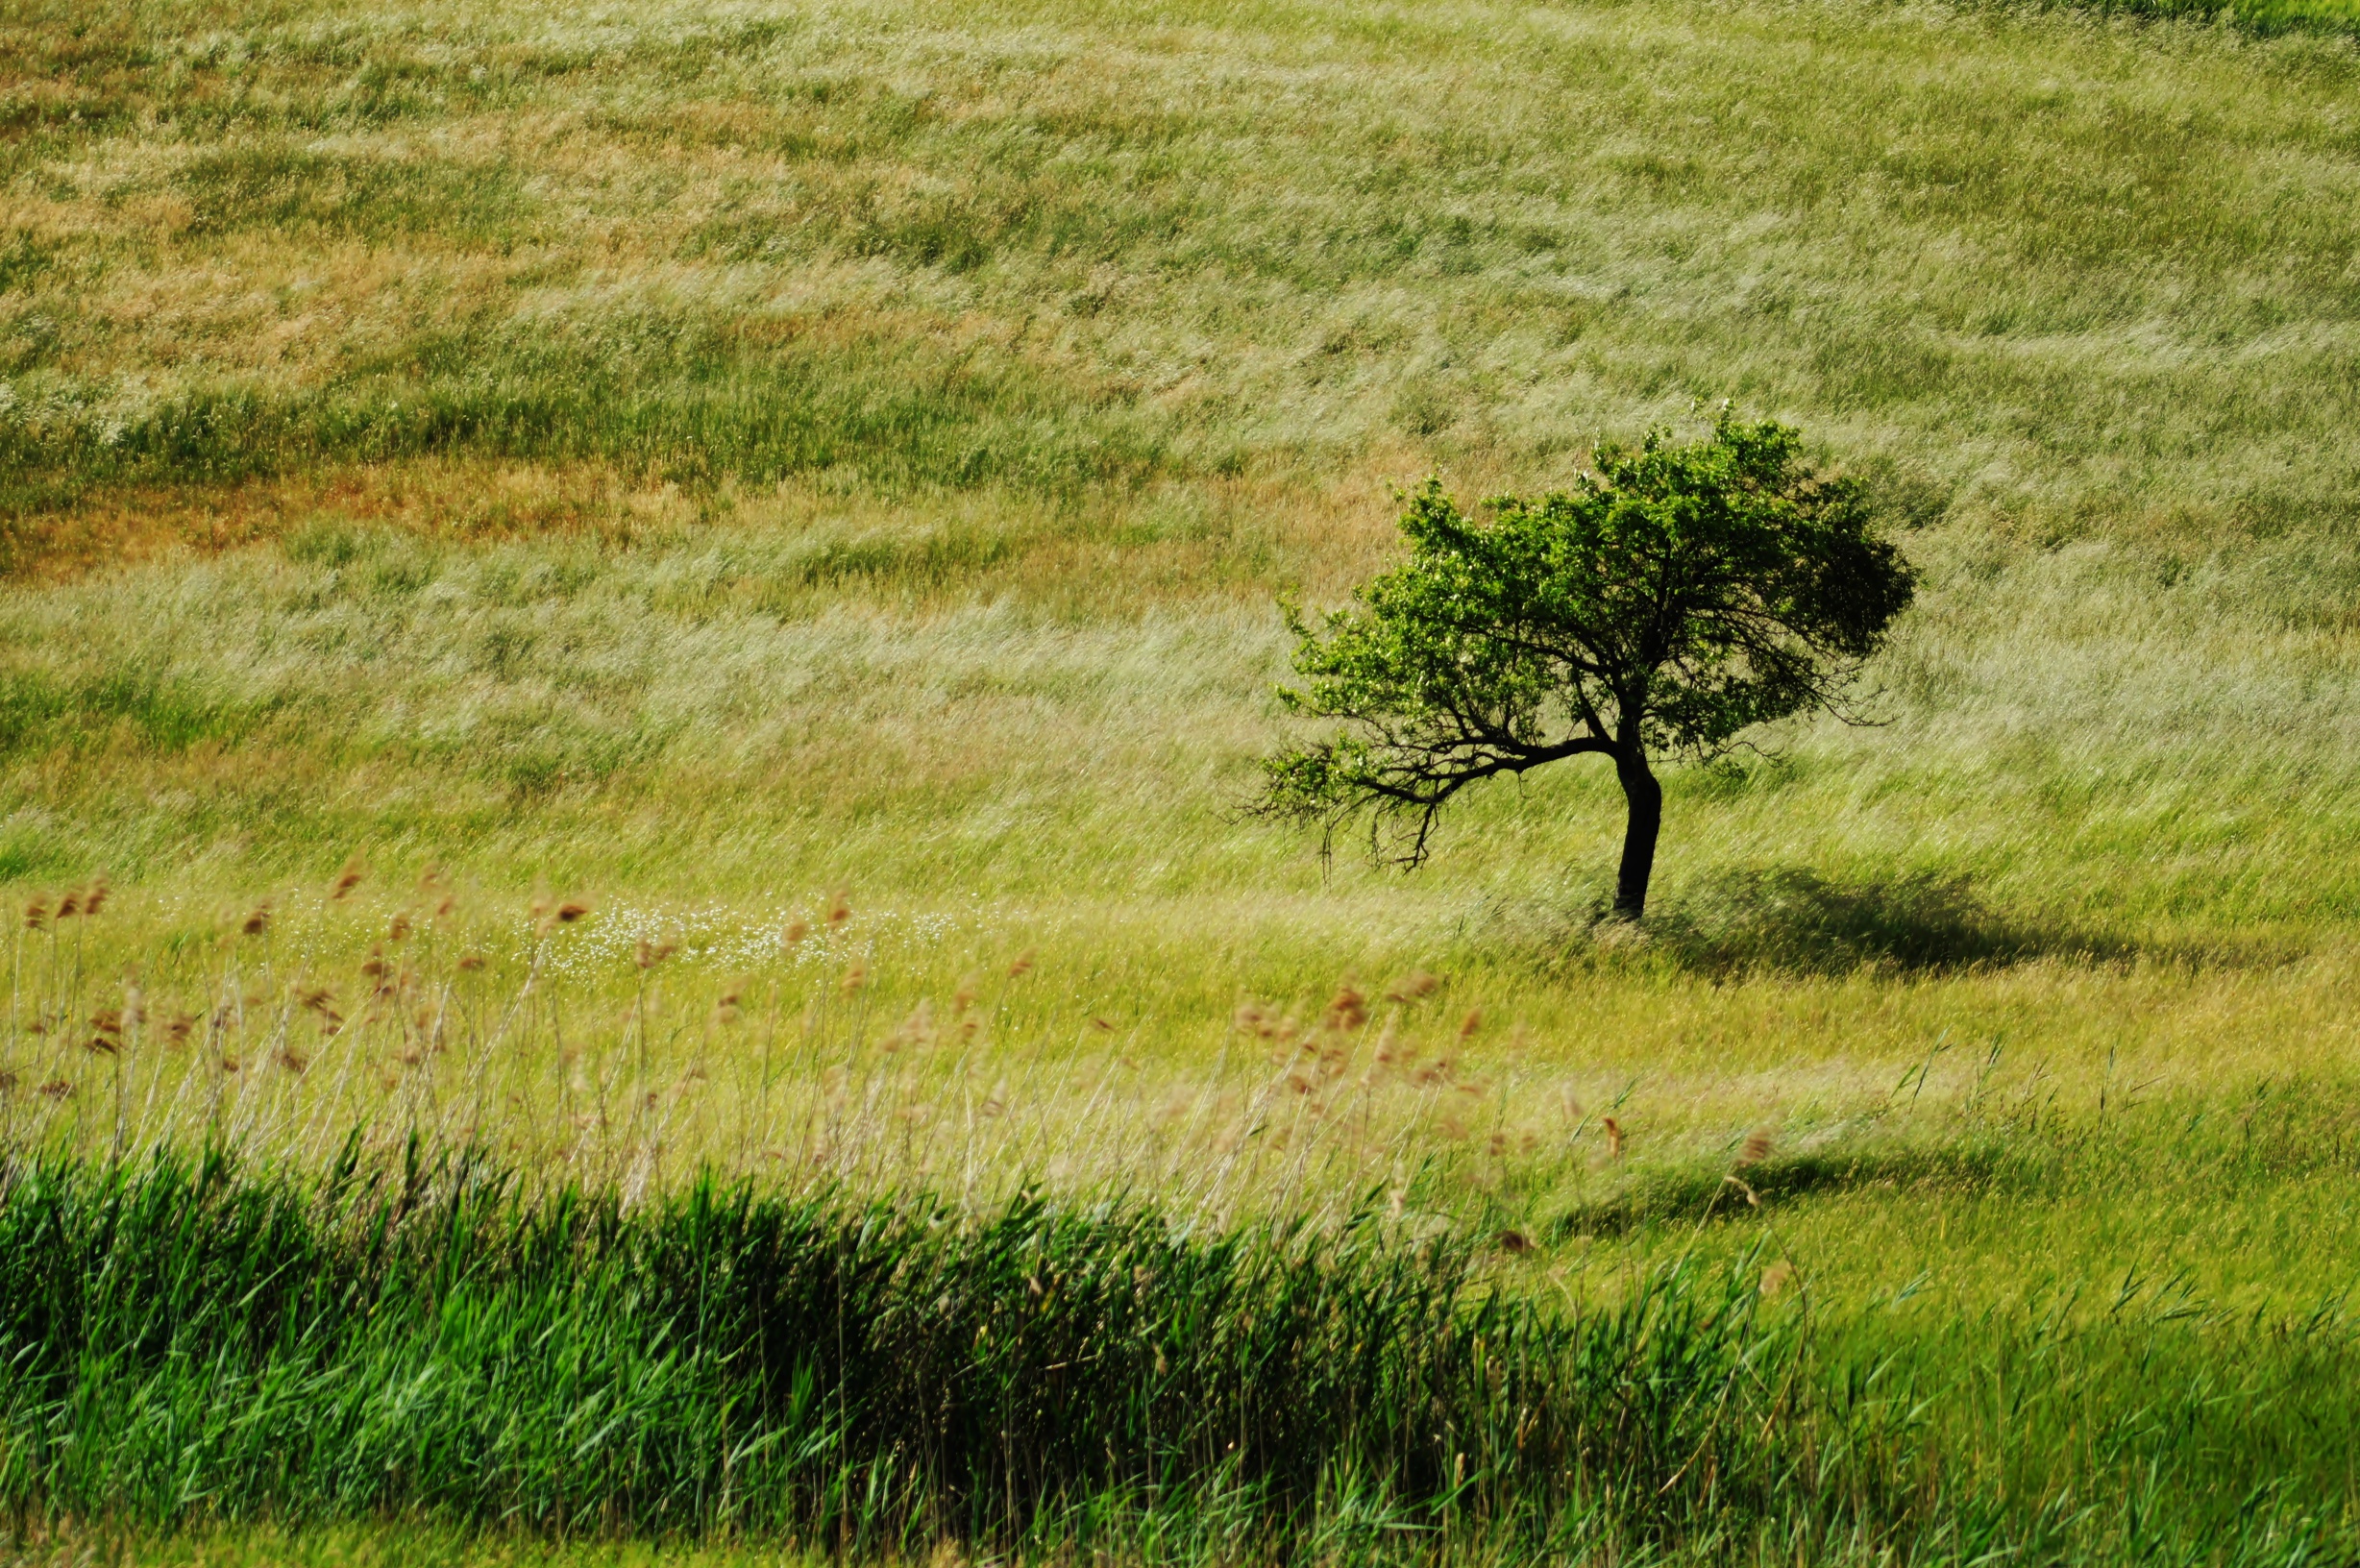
668 610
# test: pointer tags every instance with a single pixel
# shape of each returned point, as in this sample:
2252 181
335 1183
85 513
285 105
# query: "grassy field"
691 460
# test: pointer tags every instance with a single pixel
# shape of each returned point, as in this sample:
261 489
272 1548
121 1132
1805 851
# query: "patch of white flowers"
732 940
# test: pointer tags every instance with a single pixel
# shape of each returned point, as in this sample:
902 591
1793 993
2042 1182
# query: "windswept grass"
690 458
424 1339
715 452
428 1219
2079 280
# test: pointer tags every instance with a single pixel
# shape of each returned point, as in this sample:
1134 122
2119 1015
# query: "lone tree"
1679 596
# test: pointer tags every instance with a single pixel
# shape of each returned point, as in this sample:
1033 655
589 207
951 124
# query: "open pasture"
685 460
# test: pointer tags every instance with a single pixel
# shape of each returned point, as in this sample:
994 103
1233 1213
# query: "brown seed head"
471 962
56 1089
1758 1146
348 878
69 906
1349 1009
569 913
653 953
855 976
1515 1241
796 932
1613 1137
37 914
1777 1277
1473 1021
914 1033
840 908
1418 984
257 922
399 929
1023 966
95 898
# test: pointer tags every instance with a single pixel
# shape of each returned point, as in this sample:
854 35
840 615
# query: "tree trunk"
1645 797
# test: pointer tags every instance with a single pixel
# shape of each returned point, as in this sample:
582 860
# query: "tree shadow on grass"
1786 919
1791 920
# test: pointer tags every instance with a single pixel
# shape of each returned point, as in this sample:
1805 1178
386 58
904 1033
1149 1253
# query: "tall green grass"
190 1341
427 1338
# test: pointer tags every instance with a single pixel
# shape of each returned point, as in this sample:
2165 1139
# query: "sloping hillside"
693 458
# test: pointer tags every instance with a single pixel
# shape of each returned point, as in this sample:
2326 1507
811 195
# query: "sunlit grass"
2079 1119
692 459
2019 1277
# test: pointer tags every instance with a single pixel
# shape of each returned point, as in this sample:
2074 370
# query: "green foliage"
1678 597
418 1338
189 1344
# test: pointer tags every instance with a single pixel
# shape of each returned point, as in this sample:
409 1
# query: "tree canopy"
1680 595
